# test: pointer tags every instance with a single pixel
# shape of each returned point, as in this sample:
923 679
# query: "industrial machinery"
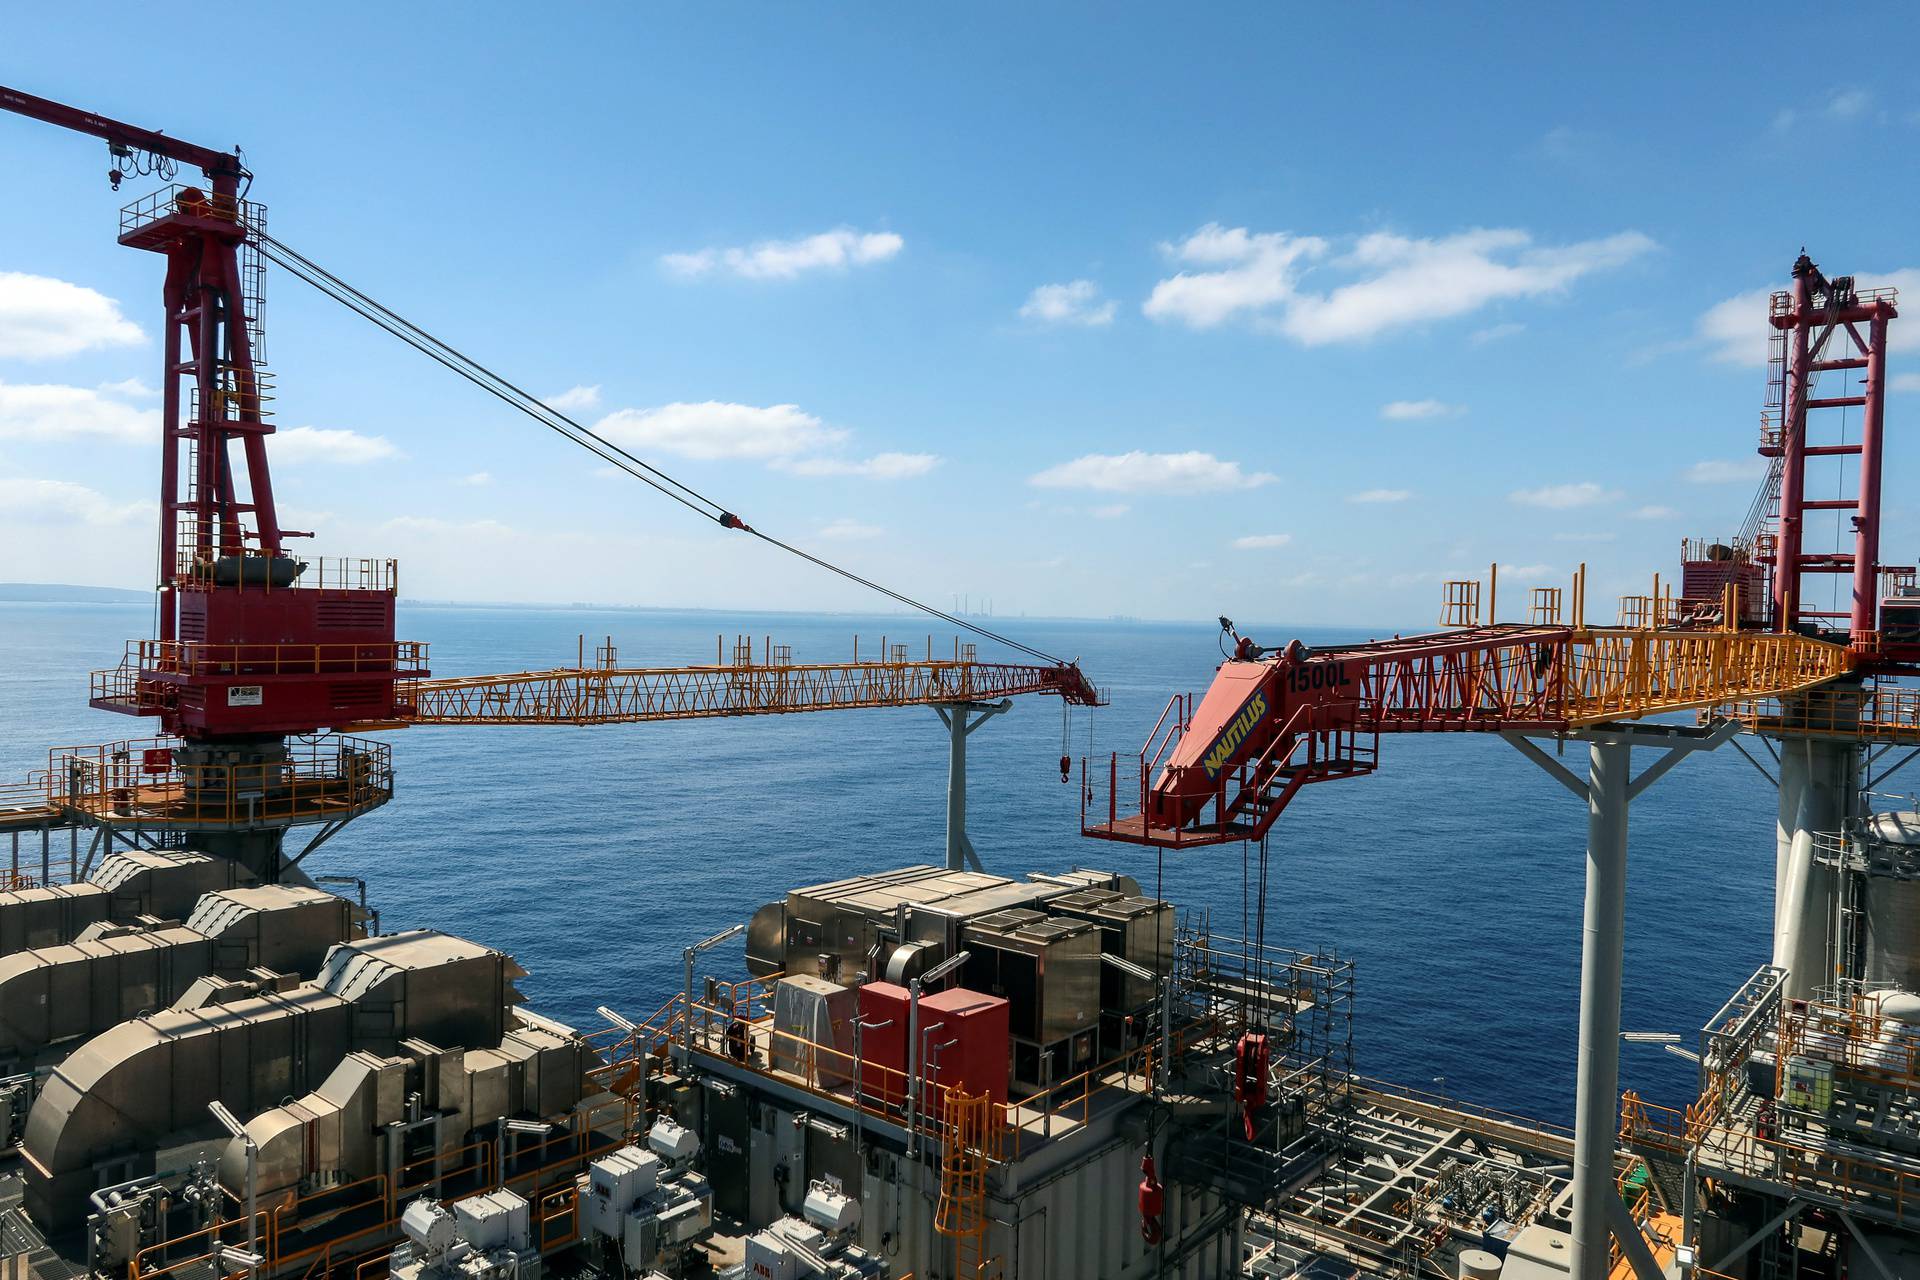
646 1205
484 1237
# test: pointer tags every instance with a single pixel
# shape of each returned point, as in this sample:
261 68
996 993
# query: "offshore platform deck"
214 1065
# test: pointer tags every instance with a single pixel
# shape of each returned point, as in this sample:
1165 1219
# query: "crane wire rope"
560 424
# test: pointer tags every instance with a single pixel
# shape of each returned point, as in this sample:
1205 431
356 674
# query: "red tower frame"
1805 320
252 640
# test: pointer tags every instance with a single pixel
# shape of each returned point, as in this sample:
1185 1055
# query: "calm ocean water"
1453 876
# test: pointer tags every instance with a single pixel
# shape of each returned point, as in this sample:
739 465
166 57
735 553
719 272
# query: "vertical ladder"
972 1144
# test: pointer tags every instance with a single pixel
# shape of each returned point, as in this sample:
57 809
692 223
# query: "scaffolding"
1224 988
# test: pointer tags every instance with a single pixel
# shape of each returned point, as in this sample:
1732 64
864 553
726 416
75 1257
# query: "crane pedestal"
1820 784
961 719
1608 790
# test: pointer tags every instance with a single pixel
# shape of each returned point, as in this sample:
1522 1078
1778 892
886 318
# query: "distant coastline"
67 593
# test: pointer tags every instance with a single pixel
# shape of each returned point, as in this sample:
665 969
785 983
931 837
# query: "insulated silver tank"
1890 846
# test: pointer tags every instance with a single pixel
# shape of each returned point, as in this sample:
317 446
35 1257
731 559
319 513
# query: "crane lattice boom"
1267 726
610 694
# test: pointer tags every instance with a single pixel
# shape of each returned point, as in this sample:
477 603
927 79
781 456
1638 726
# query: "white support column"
1819 790
961 719
1602 940
1609 790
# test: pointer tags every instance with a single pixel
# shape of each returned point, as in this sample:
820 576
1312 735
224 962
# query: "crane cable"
560 424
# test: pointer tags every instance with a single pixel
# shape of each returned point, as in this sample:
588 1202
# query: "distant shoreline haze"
69 593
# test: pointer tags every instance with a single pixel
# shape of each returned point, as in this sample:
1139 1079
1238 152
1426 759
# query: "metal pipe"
253 1208
686 1008
913 1067
1595 1118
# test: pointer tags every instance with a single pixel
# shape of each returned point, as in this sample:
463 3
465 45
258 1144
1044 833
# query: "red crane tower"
1806 320
255 644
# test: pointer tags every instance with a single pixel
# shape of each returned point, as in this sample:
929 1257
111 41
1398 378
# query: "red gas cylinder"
1250 1076
1153 1201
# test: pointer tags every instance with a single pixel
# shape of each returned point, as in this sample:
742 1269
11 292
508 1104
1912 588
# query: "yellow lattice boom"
1627 673
772 685
1667 654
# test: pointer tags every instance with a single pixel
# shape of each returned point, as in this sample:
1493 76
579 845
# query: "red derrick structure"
254 643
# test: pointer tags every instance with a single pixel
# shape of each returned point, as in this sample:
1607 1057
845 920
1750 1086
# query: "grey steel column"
1596 1117
956 718
961 719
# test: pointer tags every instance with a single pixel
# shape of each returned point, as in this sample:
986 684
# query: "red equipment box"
883 1048
967 1045
964 1035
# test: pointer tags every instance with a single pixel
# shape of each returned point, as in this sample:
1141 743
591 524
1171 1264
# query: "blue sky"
1275 311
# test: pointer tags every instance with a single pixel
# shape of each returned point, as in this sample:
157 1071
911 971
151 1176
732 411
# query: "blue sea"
1453 877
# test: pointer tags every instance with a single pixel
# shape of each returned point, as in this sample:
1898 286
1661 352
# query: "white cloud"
580 397
131 388
1112 511
58 500
1495 332
845 530
715 429
1412 281
1904 382
1654 513
1406 410
1262 541
1381 495
476 480
1394 281
1525 572
45 412
1727 471
1141 472
786 259
329 444
1253 272
1845 104
1561 497
881 466
1076 302
42 318
1735 330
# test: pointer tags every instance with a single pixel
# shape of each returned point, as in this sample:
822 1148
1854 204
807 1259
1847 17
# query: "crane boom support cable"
473 371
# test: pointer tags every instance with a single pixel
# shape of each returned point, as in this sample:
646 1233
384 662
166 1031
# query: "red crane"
254 643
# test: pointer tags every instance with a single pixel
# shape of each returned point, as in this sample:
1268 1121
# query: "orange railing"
130 683
473 1167
1886 713
196 201
140 782
739 1028
1755 1148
